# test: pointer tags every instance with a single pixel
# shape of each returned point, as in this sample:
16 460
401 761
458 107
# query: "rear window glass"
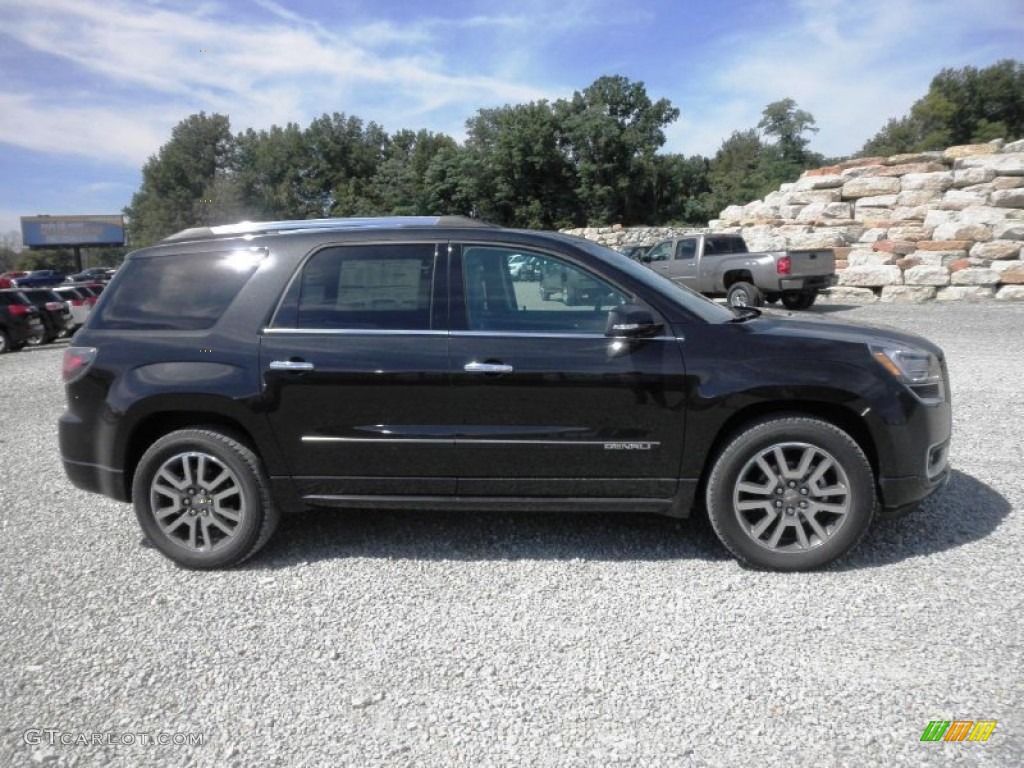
181 292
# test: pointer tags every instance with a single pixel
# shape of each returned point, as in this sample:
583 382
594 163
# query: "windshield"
699 305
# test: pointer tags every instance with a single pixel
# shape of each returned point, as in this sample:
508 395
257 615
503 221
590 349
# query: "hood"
826 329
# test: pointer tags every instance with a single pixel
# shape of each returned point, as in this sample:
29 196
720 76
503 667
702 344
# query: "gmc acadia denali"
232 373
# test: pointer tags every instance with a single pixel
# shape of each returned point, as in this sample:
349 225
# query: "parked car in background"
79 302
525 268
20 321
721 265
7 278
55 313
40 278
94 274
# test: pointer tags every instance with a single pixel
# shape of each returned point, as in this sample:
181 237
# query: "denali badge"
628 446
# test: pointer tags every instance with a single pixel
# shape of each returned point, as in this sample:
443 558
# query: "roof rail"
300 225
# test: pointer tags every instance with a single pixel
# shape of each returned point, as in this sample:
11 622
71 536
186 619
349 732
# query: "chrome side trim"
546 335
350 332
475 441
425 440
454 334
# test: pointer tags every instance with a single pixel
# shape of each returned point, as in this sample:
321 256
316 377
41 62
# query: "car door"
684 265
355 366
550 406
659 257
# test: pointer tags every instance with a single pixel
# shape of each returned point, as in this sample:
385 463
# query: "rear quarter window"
180 292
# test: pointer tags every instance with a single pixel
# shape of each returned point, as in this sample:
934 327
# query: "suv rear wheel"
202 499
791 494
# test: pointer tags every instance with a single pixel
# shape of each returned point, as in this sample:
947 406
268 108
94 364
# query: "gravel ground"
491 639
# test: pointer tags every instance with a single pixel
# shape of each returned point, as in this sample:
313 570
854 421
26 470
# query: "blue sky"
89 89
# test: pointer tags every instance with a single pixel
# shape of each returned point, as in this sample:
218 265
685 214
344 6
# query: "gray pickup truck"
721 265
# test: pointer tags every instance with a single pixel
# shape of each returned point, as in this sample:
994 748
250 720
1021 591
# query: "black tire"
37 341
5 342
571 296
782 531
545 295
220 541
798 301
743 294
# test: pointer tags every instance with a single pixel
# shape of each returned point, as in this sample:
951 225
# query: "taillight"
77 302
91 300
20 310
76 362
54 306
784 265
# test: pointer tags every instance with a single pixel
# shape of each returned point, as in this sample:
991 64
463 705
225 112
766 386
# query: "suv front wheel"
791 493
202 499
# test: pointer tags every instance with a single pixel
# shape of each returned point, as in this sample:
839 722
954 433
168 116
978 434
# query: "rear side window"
371 287
178 292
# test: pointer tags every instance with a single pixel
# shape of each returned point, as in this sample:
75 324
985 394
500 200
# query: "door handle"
290 365
487 368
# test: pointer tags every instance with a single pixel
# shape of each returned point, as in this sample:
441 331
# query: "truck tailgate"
812 262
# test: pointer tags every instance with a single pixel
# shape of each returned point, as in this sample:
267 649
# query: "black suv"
20 321
231 373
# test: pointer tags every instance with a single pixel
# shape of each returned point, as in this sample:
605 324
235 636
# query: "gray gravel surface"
491 639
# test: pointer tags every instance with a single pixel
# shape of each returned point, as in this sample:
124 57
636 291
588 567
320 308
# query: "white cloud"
101 132
259 74
852 65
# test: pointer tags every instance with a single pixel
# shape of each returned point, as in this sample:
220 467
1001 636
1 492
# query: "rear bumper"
812 283
96 478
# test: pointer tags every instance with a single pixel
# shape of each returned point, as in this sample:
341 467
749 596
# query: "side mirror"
646 258
631 321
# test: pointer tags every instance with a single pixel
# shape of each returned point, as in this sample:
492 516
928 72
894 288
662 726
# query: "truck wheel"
799 301
5 343
790 493
744 295
571 296
545 295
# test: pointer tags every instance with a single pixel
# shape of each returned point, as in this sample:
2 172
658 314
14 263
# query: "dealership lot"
493 639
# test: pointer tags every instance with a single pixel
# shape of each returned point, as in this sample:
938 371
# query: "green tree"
272 176
514 170
400 183
736 174
344 157
962 106
178 180
787 124
611 131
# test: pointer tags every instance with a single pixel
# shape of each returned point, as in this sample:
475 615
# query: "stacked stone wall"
943 225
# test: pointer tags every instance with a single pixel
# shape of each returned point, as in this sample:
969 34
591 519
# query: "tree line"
591 159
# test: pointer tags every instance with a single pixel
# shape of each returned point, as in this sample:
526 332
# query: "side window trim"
284 318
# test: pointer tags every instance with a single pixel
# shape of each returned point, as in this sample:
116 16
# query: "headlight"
920 371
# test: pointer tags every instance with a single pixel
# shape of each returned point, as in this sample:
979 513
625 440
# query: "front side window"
686 249
371 287
660 252
561 297
177 292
